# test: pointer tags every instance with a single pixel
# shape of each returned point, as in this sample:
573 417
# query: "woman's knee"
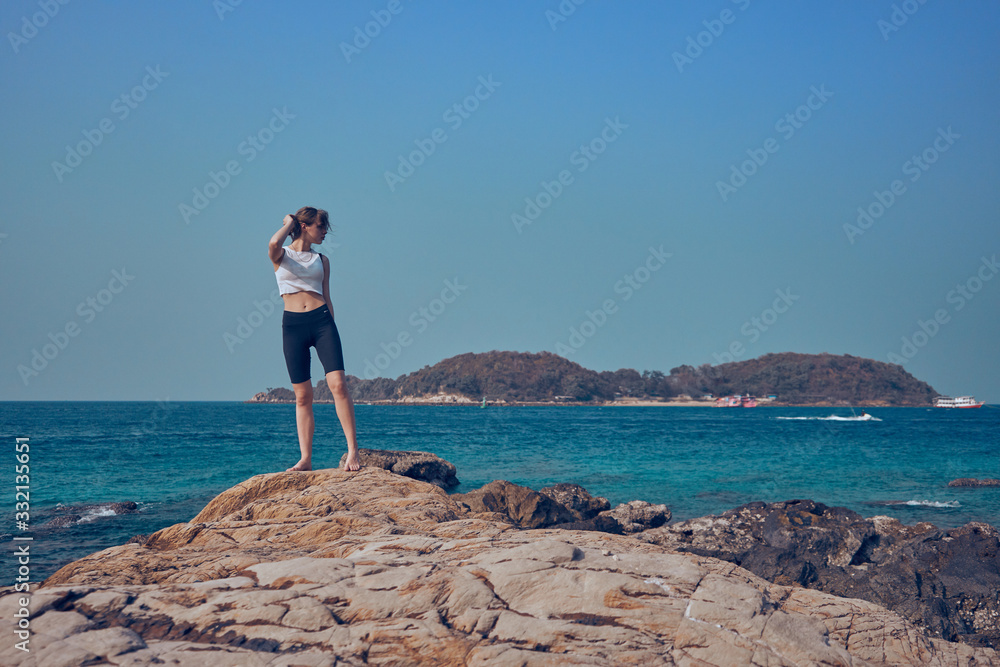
303 393
337 383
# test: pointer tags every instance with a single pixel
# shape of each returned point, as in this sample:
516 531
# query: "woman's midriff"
300 302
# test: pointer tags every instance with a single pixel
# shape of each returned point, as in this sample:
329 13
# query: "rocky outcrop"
577 500
637 516
565 506
277 395
945 581
526 508
329 567
628 518
968 481
127 507
424 466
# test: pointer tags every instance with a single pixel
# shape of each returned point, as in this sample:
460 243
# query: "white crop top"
300 272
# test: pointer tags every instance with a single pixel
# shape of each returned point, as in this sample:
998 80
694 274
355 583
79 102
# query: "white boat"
957 402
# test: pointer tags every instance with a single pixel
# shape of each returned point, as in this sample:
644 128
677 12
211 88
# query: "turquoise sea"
171 458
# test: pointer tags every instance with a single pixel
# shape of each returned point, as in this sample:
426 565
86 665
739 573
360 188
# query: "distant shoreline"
547 379
605 404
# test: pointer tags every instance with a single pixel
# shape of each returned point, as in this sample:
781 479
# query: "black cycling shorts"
313 328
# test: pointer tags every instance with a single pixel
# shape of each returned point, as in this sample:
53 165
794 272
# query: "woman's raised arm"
274 246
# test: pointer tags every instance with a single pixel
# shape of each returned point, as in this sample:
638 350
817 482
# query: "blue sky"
739 138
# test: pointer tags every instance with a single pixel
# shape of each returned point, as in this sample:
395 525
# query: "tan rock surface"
337 568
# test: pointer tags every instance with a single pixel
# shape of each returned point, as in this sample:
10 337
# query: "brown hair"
309 216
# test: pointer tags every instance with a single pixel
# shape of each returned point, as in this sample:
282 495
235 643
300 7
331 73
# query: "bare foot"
352 462
300 466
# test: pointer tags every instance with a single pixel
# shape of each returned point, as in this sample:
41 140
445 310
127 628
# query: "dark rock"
62 521
564 506
638 515
127 507
968 481
424 466
577 500
945 580
527 508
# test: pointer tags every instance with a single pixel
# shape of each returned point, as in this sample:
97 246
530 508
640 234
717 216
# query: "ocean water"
172 458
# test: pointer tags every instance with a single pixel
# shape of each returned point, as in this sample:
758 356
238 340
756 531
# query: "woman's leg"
305 423
296 339
337 382
331 354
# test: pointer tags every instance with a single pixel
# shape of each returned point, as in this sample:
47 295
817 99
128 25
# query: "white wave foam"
96 513
926 503
837 418
934 503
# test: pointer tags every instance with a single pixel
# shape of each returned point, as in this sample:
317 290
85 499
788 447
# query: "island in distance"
523 378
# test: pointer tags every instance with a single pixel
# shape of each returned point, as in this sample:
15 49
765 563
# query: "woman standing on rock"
304 283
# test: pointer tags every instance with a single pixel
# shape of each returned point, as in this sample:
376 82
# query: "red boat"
736 401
